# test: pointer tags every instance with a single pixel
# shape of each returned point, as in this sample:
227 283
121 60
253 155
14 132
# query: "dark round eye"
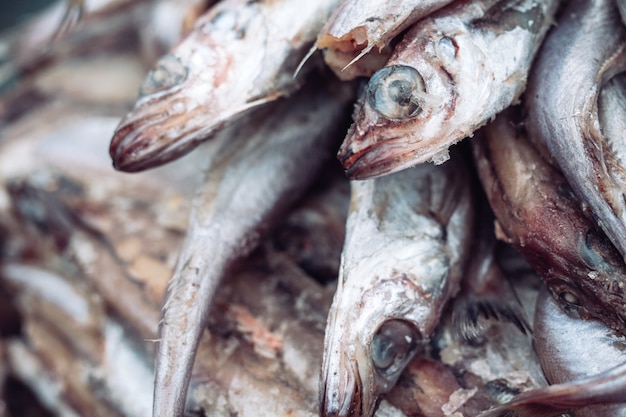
393 346
167 73
393 92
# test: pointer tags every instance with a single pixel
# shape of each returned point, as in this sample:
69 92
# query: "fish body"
407 237
586 49
356 38
450 74
564 358
261 167
584 359
539 215
239 55
166 24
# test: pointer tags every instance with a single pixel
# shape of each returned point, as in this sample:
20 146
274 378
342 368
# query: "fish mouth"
141 143
383 157
341 391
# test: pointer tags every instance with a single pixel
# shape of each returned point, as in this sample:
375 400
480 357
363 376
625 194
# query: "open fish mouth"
375 160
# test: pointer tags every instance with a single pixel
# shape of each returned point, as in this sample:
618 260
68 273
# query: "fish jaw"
465 84
356 38
350 383
178 106
190 93
155 136
409 287
377 145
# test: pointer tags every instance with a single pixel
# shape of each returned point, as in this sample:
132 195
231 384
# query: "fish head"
381 317
602 292
413 109
180 102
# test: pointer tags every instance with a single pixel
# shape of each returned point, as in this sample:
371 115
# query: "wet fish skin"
356 38
261 168
166 24
587 47
450 74
407 238
538 214
239 55
564 358
589 377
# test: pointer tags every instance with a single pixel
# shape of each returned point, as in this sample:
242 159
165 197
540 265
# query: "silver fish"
612 118
538 214
260 169
586 361
587 47
166 24
450 74
356 27
407 238
239 55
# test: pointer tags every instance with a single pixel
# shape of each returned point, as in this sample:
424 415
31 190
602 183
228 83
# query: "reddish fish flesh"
450 74
356 38
239 55
407 240
538 214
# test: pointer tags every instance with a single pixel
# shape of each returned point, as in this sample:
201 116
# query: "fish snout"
144 142
130 145
341 390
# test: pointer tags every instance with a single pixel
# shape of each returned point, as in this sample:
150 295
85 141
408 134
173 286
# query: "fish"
586 49
166 24
612 117
66 25
538 214
356 27
261 167
589 378
451 73
407 241
239 55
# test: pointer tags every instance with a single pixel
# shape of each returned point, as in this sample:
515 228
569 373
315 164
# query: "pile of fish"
481 278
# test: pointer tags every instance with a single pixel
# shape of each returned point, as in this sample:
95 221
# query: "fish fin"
72 16
472 314
605 388
305 60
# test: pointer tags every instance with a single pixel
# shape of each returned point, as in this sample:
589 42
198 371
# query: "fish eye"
168 72
569 297
394 92
393 346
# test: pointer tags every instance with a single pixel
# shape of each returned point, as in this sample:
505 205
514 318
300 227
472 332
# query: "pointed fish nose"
142 143
340 391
